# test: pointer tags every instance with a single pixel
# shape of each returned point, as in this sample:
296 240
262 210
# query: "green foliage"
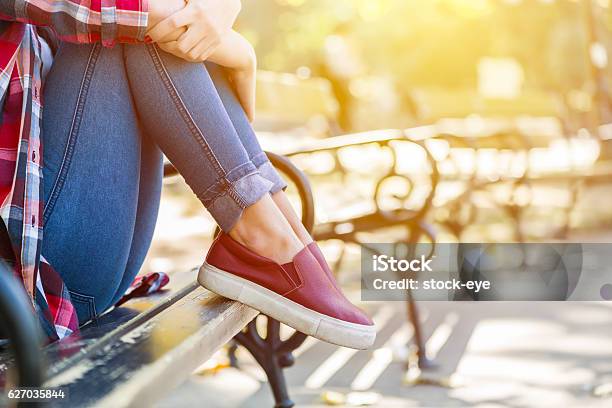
427 42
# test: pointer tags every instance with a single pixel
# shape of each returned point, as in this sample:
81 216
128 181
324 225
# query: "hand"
237 55
197 28
160 10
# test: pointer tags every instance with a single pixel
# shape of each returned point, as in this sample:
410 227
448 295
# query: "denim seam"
232 192
240 171
73 133
196 133
260 159
239 198
229 189
268 172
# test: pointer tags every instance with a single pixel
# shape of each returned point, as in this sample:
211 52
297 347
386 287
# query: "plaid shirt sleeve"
83 21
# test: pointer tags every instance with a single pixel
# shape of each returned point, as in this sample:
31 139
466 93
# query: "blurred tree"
434 43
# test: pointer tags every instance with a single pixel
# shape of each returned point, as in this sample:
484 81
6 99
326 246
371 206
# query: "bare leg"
285 207
263 229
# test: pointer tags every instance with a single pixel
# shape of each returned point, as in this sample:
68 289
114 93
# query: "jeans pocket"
85 306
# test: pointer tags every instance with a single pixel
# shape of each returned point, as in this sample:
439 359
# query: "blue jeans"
109 114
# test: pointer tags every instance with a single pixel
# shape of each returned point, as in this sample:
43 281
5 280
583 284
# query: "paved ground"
497 355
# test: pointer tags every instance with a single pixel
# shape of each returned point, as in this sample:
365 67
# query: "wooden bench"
134 354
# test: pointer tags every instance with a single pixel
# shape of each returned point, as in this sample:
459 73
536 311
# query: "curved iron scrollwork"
409 210
460 211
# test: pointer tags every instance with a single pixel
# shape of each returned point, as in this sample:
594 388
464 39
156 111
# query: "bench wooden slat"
503 139
141 360
96 334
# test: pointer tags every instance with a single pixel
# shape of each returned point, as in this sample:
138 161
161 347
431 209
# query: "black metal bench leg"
416 231
273 355
413 315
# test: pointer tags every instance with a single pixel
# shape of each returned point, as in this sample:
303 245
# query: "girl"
113 104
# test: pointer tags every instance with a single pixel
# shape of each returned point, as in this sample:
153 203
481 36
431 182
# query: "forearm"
234 52
83 21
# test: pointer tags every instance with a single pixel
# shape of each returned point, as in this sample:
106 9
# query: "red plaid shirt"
21 158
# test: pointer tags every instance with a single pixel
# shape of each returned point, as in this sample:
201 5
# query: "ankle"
277 245
282 202
304 237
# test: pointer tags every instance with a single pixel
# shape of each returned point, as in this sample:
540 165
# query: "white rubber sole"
286 311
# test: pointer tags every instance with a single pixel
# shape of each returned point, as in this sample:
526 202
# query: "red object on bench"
145 285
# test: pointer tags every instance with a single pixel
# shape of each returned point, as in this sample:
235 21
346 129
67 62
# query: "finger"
202 51
190 39
169 47
199 51
167 26
172 48
173 36
209 51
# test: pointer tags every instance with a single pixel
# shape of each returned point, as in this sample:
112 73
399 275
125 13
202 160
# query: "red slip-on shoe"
318 254
298 294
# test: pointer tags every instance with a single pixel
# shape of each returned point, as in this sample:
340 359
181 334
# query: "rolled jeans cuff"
265 168
227 208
